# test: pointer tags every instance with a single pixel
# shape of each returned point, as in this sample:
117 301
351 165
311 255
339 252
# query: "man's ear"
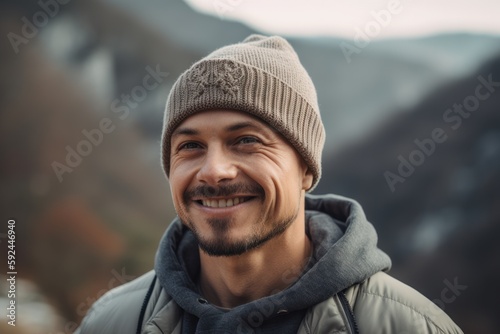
307 178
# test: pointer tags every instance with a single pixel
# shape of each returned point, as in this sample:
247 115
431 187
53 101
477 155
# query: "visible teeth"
222 203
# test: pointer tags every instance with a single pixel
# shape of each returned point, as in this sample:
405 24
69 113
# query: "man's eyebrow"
185 131
243 125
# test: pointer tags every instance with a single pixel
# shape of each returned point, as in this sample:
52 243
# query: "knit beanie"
261 76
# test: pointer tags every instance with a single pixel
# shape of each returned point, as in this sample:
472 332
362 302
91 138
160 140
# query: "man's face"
235 181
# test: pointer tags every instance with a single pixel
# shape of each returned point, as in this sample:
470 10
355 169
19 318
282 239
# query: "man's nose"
217 167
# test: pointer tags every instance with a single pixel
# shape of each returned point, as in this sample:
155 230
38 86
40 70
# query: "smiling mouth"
222 202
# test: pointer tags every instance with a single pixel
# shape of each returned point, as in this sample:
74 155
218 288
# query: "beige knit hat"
261 76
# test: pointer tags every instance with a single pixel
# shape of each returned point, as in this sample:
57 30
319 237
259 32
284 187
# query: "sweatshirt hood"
345 253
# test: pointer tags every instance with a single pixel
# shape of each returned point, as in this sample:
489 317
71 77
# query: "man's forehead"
229 120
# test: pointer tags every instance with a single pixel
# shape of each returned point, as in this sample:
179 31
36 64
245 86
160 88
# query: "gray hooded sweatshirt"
345 253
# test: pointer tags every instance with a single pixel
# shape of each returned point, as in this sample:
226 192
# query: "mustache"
225 190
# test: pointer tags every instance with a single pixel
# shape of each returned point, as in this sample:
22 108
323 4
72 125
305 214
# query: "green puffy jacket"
381 304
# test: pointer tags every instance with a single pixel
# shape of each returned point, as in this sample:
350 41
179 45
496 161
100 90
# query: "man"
250 252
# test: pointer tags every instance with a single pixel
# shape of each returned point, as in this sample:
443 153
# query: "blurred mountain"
439 220
386 77
105 213
389 75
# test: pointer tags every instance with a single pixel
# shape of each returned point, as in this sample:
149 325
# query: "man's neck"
235 280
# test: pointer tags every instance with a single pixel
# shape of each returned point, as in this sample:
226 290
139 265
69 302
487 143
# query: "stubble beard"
222 245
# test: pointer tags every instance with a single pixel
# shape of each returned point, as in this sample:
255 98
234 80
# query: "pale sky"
345 18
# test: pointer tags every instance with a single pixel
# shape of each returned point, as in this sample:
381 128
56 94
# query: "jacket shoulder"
118 310
382 304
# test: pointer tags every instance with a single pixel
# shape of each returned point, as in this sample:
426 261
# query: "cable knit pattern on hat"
261 76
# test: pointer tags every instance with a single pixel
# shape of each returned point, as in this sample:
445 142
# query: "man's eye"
248 140
189 146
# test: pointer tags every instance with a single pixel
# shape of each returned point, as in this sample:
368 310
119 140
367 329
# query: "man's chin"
221 243
219 248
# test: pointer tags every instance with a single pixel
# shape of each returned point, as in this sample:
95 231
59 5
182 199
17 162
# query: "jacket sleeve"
118 310
383 304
